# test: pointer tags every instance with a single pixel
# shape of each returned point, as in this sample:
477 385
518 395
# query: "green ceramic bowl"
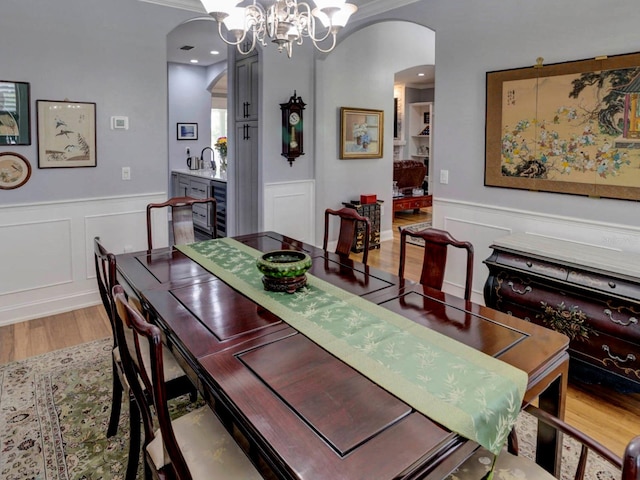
284 264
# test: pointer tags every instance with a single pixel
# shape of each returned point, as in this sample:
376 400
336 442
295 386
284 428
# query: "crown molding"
373 7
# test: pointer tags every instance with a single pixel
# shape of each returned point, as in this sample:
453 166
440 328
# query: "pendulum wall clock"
292 134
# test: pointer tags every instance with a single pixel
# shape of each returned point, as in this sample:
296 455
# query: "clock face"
294 118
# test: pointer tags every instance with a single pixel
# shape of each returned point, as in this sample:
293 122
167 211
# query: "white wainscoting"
482 224
47 250
289 209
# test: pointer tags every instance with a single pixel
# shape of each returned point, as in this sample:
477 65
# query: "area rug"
415 227
54 411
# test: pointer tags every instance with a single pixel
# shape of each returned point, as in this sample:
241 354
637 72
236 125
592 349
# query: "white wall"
359 73
114 54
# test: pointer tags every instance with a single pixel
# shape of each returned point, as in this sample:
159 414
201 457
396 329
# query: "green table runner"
467 391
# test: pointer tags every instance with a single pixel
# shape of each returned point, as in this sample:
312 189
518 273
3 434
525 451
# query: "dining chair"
177 382
510 466
434 260
182 211
193 446
349 218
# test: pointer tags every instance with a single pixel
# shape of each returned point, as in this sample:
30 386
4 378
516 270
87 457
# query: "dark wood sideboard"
589 293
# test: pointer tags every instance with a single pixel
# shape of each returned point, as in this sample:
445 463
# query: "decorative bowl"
284 270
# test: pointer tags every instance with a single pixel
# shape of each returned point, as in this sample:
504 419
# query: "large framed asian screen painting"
570 128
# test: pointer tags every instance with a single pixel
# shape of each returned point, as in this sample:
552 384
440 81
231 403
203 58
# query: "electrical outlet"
188 152
444 176
126 173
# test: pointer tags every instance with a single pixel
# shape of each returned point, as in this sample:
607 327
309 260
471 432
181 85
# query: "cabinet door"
246 174
246 85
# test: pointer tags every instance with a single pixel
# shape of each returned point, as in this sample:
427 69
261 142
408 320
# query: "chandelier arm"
311 25
333 44
230 42
253 45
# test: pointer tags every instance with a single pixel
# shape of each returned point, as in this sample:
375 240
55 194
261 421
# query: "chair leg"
134 440
116 403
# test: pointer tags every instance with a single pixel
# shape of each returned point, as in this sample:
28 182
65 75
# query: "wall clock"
292 134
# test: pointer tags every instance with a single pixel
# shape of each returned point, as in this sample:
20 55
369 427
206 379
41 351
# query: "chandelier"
285 22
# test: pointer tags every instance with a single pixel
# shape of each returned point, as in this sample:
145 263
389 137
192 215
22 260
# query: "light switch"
126 173
444 176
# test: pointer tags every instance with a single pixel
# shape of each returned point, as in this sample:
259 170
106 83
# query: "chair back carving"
435 257
348 223
105 264
182 218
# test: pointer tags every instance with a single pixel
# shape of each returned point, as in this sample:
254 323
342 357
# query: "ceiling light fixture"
285 22
193 60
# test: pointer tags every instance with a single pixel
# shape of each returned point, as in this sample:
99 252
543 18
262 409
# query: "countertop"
208 174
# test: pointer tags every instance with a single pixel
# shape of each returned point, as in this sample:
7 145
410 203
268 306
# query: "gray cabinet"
203 184
246 88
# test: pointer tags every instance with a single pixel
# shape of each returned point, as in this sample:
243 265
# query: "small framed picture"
15 170
361 133
66 134
187 131
15 124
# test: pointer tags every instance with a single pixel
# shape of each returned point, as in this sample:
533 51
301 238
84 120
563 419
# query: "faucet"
202 157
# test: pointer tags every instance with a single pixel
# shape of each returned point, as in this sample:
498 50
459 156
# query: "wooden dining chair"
349 218
182 212
193 446
510 465
177 382
434 260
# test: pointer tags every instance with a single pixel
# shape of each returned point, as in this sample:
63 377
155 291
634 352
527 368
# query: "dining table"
308 411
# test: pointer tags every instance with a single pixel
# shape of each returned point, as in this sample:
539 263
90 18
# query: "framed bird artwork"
66 134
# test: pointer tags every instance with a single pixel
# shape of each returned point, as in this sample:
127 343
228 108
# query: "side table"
372 212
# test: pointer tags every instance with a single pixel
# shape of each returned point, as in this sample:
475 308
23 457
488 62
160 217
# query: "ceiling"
201 33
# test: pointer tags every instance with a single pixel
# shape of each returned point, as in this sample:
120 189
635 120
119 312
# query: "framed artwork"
361 133
187 131
15 121
66 134
570 127
15 170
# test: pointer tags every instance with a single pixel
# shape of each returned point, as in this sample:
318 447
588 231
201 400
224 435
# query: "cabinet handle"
529 264
630 356
609 314
612 284
526 290
245 112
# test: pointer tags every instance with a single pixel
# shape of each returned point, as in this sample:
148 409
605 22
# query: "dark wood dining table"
308 414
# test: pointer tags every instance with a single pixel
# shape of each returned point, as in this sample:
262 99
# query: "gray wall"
111 53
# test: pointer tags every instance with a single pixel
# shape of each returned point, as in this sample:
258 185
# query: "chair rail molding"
48 248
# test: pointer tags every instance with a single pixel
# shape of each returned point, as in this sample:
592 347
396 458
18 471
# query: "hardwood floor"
610 417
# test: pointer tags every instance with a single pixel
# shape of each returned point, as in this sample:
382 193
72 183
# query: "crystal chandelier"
285 22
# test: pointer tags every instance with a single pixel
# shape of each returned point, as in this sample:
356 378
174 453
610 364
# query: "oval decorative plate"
15 170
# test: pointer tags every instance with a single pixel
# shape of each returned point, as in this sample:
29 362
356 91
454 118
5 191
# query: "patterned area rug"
415 227
54 411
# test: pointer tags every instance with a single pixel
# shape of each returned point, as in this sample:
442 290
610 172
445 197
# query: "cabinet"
590 294
419 142
203 184
246 88
372 212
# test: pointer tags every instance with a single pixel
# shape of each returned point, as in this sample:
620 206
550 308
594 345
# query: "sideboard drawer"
611 353
608 285
532 265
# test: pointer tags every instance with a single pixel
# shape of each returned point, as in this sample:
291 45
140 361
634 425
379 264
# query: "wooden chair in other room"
435 257
182 211
349 219
193 446
178 383
521 467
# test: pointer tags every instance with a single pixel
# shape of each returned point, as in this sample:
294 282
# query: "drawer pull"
612 284
529 264
630 356
609 313
526 290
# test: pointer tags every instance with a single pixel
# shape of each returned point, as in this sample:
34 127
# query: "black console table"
591 294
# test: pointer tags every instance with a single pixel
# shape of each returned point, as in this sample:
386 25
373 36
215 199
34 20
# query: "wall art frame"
361 133
66 134
571 127
187 131
15 113
15 170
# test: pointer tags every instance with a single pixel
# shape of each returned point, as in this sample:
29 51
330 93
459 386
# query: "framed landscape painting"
571 127
66 134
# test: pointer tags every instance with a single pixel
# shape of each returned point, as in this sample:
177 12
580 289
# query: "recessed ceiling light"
193 60
421 74
214 52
